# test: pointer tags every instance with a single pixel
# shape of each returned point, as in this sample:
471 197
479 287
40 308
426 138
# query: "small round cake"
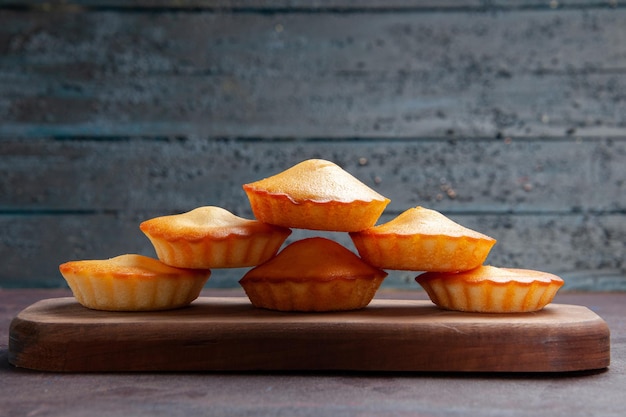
421 239
313 274
132 283
317 195
488 289
212 237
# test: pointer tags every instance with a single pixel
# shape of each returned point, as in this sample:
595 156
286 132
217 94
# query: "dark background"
507 116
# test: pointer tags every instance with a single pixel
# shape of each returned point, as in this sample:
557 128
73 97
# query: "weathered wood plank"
523 72
586 250
273 108
299 5
497 176
508 116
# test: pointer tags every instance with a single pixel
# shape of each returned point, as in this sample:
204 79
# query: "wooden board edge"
222 352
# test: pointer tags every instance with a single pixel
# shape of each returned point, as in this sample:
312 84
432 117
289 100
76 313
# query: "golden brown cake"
318 195
313 274
421 239
212 237
488 289
132 283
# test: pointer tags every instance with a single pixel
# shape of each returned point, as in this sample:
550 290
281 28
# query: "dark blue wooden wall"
507 116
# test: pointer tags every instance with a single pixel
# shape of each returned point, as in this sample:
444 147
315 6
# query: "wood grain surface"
529 72
508 116
228 334
552 205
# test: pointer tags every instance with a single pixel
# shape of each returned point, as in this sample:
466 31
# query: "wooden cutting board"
228 334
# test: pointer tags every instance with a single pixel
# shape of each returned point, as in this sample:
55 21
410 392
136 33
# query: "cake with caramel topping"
132 283
421 239
313 274
212 237
315 194
488 289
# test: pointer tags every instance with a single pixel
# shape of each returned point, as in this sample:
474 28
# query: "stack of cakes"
314 274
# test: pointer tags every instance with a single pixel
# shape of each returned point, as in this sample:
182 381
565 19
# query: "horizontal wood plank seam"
450 212
272 10
317 139
356 75
59 212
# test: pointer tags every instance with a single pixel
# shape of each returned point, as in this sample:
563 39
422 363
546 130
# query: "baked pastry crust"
315 194
132 283
313 274
422 239
212 237
489 289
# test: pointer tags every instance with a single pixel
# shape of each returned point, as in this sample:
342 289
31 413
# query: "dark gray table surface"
600 393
